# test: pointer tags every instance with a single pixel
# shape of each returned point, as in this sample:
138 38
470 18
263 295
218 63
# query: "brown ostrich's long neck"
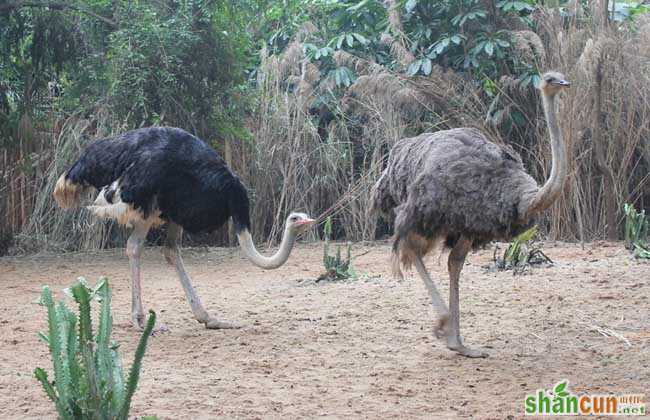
274 261
544 197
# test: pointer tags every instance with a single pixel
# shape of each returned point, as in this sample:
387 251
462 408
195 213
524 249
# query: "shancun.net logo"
561 402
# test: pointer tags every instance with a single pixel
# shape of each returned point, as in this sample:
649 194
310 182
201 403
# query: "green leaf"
440 47
413 68
363 40
345 77
489 48
426 66
358 6
410 5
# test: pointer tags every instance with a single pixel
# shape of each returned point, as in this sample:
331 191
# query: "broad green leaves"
343 76
349 40
515 6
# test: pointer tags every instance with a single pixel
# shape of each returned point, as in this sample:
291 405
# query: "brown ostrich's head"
553 82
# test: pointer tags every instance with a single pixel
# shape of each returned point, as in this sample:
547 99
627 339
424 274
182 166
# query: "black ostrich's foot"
214 324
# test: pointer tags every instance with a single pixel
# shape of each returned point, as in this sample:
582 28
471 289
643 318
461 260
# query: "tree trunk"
228 157
600 150
603 8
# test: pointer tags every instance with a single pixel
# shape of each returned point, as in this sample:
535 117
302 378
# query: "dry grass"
311 157
606 121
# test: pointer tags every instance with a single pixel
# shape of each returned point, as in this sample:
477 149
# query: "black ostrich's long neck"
240 210
274 261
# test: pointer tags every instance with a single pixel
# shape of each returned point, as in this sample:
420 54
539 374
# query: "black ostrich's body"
166 175
167 170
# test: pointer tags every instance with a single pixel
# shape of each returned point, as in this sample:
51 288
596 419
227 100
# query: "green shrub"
336 268
636 231
521 252
88 378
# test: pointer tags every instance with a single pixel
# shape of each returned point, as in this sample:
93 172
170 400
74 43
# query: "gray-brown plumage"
457 187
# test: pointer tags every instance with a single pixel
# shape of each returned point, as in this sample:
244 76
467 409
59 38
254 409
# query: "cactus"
88 378
336 268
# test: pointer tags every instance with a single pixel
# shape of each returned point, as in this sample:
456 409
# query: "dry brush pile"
318 142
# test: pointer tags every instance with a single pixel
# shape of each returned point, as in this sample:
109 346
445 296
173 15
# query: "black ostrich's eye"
293 218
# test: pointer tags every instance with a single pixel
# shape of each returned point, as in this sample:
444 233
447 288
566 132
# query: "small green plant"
88 378
521 253
336 268
636 231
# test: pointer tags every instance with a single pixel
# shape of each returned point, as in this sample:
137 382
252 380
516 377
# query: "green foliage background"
199 65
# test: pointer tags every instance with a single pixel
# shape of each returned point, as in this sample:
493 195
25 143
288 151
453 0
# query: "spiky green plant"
521 252
636 231
336 268
88 377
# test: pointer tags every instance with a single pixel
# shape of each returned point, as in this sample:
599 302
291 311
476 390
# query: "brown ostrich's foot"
214 324
442 326
443 330
456 344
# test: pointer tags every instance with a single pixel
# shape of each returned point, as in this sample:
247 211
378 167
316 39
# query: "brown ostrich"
456 187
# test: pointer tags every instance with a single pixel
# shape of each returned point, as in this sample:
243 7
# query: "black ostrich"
159 175
458 188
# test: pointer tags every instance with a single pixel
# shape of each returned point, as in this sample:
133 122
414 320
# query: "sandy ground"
355 349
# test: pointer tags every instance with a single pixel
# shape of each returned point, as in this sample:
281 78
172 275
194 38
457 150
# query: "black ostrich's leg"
134 247
172 254
455 265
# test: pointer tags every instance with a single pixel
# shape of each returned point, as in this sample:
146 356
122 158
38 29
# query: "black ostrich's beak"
305 222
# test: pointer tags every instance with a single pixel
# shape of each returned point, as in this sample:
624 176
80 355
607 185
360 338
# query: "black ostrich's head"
553 82
299 222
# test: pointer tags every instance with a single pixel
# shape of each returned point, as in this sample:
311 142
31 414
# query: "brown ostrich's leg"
172 254
455 265
133 250
438 304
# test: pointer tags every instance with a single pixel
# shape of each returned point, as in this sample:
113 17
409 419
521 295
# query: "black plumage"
167 170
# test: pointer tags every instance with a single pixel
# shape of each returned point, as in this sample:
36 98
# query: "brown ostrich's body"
457 187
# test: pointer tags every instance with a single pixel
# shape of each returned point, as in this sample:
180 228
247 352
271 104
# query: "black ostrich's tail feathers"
239 207
67 193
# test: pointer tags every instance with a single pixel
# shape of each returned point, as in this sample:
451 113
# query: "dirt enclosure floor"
354 349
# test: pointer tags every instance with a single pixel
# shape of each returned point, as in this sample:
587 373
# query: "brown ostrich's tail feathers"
402 256
66 193
406 248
